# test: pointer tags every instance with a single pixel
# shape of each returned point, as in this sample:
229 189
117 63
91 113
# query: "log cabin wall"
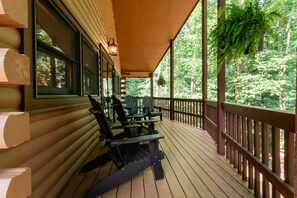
62 131
14 74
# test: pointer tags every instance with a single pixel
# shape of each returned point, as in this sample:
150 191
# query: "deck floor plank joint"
191 166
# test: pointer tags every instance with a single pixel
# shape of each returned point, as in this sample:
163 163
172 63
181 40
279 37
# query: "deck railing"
188 111
260 145
259 142
211 118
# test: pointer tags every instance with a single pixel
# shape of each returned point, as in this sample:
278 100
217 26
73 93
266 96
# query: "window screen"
90 65
56 55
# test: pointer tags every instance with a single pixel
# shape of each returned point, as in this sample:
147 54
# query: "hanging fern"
161 81
242 30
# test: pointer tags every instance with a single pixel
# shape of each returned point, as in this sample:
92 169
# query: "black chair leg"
118 177
156 160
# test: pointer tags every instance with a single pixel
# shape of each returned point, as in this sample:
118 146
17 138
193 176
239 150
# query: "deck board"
137 190
192 168
218 163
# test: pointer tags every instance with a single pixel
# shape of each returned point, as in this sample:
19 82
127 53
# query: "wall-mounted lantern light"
112 47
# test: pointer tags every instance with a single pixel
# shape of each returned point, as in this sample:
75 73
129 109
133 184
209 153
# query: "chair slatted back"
147 102
131 102
101 119
118 107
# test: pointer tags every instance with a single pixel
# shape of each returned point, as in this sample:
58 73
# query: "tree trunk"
237 83
282 70
288 31
193 84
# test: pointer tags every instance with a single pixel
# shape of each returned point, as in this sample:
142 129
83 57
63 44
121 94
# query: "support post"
152 84
204 61
295 174
171 79
221 96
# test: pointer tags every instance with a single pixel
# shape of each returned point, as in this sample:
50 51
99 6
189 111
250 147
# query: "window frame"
97 72
39 46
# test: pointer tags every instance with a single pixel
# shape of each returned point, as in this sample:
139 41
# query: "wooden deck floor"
191 167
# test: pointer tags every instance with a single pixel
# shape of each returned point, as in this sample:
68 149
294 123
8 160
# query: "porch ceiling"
144 29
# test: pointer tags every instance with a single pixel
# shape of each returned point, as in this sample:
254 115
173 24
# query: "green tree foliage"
268 82
188 58
138 86
163 70
243 29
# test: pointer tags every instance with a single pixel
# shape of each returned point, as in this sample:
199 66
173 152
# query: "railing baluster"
265 158
182 110
236 139
289 158
198 113
187 113
257 154
244 144
250 149
228 132
231 128
239 138
179 108
275 157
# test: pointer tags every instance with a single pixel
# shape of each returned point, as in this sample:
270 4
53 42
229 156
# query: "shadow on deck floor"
192 168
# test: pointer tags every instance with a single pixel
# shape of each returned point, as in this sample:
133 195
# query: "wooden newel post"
295 174
221 97
171 79
152 84
204 61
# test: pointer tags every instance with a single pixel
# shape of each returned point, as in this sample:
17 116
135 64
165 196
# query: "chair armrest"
142 121
93 111
160 108
146 110
125 127
135 116
139 139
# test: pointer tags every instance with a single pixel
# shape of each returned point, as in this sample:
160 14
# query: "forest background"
269 82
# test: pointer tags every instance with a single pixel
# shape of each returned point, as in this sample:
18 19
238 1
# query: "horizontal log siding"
11 97
10 101
90 15
10 38
61 140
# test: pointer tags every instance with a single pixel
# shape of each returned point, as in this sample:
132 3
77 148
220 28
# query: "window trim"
97 73
53 92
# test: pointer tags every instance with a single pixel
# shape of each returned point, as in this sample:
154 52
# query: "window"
56 55
116 84
90 65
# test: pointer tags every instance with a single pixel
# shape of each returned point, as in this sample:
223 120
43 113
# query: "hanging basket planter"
161 81
242 30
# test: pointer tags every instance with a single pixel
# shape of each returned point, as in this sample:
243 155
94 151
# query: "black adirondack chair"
131 105
148 107
130 155
147 126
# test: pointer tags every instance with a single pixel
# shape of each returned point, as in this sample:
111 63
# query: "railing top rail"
179 99
212 103
281 119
